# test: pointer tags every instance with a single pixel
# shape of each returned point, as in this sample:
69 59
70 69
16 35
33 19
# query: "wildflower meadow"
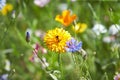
59 40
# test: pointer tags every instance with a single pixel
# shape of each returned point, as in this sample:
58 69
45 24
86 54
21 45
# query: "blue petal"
68 49
73 41
79 45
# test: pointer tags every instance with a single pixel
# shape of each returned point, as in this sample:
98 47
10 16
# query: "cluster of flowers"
58 39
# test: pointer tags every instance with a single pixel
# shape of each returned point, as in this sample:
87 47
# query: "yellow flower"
56 39
80 27
66 19
7 8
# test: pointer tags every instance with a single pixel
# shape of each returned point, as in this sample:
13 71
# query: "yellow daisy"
80 27
7 8
56 39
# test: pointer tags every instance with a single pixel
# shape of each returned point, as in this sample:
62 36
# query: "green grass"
103 59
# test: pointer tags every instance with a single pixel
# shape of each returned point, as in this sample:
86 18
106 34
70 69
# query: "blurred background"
101 40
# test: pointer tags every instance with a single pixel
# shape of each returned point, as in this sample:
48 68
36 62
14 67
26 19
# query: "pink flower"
117 77
41 3
36 49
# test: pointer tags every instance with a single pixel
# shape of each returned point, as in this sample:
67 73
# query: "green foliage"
101 63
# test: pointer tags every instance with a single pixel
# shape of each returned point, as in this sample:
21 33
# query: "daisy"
56 39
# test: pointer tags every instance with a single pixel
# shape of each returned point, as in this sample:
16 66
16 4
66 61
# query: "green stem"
94 13
60 65
73 57
11 74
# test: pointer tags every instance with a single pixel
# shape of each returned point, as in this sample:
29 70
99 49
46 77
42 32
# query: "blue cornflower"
73 45
2 4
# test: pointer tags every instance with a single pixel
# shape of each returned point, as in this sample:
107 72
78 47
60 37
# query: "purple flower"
117 77
4 77
73 45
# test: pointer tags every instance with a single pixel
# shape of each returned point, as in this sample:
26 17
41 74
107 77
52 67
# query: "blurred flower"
73 0
117 77
43 50
109 39
7 8
7 65
35 58
4 77
114 29
28 34
115 47
56 39
13 14
80 27
66 19
28 37
73 45
40 33
36 49
41 3
99 28
62 6
2 4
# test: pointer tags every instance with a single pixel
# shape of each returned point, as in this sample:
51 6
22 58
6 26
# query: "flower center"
57 39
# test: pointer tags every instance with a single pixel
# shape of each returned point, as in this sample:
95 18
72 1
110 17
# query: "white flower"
99 28
41 3
40 33
109 39
2 4
7 65
62 6
73 0
114 29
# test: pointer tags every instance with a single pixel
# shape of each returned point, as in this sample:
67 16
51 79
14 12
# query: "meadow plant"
59 40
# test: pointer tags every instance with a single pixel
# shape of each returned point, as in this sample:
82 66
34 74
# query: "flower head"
66 19
99 28
41 3
73 45
56 39
4 77
80 27
117 77
114 29
7 8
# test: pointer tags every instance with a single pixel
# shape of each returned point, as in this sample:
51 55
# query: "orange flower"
66 19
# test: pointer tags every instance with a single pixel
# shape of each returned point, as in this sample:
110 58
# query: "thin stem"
91 8
88 71
11 74
73 57
60 65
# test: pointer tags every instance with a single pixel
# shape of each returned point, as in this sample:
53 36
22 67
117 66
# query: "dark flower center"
57 38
